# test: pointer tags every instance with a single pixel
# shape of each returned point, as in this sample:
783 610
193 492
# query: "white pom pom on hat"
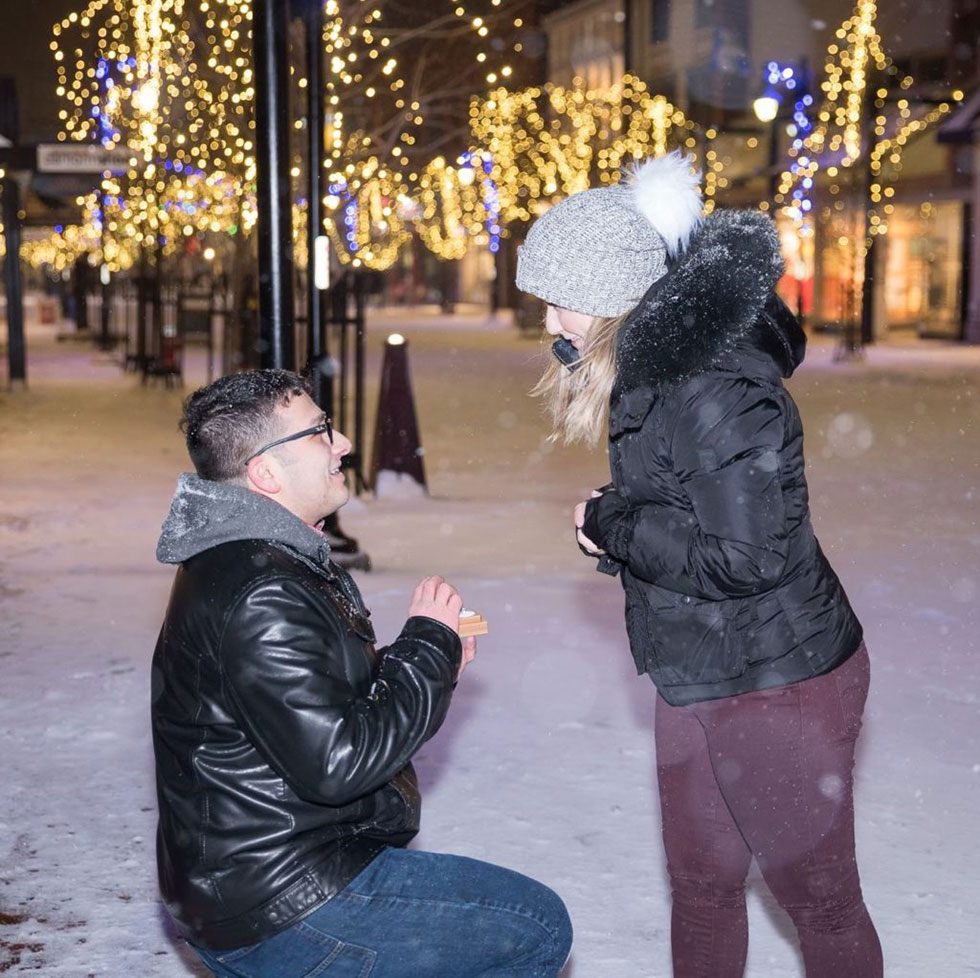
667 192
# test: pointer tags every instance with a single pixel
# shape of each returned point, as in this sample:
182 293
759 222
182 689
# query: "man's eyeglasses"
324 427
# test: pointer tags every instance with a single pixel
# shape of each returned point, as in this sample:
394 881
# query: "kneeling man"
283 738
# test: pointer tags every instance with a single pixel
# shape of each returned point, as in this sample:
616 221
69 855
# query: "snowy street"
546 762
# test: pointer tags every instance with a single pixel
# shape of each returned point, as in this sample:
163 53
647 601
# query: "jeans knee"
562 934
552 914
547 932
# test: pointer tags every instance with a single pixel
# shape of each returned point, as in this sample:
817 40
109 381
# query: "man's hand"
583 541
469 654
438 599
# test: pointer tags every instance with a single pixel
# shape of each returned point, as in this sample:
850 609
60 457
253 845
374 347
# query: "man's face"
309 468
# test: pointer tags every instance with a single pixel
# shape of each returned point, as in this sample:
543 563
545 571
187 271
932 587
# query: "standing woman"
667 325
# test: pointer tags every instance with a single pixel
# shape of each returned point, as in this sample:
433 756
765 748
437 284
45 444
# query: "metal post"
16 350
142 287
773 162
971 284
270 21
80 274
868 292
627 38
105 342
157 306
344 549
360 285
314 163
340 303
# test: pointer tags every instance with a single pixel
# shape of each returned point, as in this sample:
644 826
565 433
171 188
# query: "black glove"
606 523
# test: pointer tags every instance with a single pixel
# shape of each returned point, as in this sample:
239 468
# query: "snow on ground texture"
546 761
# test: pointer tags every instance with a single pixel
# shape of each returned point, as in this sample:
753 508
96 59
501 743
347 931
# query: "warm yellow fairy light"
182 100
842 118
146 80
452 209
551 141
890 150
378 231
846 74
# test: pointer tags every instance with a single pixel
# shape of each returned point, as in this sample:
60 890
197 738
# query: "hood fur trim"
692 318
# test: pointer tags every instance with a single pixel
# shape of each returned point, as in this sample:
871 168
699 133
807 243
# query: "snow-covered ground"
546 762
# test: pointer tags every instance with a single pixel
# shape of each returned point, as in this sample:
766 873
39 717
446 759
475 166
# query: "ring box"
472 623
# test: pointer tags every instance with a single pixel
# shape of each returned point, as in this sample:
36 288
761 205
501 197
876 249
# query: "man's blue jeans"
413 914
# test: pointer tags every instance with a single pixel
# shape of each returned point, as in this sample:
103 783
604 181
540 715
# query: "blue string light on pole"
491 197
787 84
350 222
491 201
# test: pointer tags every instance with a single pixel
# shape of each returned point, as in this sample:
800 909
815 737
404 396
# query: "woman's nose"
551 323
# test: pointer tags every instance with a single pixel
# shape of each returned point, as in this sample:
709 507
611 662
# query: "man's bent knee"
546 940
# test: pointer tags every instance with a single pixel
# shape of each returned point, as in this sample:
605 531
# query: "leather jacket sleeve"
733 541
333 727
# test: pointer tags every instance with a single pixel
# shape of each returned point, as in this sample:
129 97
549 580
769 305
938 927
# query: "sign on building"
81 158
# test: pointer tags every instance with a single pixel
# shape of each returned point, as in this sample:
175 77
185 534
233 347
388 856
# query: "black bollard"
397 449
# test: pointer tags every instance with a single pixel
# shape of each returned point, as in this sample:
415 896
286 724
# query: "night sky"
25 54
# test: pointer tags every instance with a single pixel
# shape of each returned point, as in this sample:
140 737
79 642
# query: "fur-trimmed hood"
697 316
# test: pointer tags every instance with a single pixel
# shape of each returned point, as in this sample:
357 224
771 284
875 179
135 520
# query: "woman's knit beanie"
598 251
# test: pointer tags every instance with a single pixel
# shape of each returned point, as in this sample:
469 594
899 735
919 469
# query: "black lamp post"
270 23
317 259
16 351
766 108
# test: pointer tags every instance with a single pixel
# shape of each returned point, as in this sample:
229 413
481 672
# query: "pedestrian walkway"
545 763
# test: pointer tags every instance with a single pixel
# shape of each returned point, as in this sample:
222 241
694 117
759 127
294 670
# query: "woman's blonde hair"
578 400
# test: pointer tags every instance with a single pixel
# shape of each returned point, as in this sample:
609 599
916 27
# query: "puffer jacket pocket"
638 632
696 641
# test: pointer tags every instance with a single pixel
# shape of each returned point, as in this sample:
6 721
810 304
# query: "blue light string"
350 208
784 78
491 196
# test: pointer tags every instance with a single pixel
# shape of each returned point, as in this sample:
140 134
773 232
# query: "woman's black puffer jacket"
727 590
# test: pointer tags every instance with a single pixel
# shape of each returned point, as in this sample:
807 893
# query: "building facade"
585 43
713 58
962 131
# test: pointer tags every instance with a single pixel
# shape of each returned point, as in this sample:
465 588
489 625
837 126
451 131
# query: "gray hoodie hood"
205 514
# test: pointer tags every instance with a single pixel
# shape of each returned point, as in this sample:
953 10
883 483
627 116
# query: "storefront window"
922 268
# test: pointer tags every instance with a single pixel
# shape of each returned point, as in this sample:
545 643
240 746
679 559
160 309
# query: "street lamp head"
766 108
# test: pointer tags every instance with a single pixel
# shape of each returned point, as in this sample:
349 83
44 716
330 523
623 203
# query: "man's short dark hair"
229 419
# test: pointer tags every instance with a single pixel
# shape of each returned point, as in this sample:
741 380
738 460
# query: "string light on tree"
842 131
548 142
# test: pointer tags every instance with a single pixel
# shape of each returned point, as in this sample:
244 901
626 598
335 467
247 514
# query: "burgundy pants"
766 775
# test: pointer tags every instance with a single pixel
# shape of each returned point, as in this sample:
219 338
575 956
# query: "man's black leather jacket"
282 738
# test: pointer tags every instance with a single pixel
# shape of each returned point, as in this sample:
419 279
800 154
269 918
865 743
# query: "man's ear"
263 476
